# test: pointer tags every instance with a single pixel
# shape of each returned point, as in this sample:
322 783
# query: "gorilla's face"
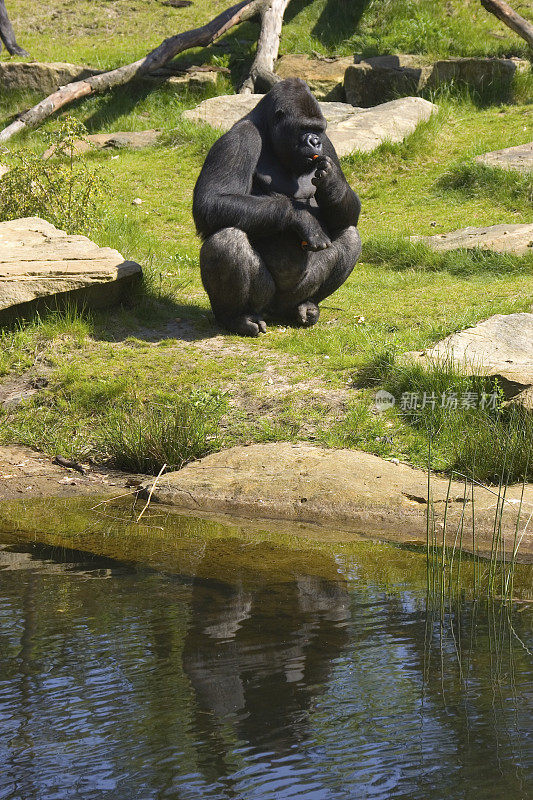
297 127
297 141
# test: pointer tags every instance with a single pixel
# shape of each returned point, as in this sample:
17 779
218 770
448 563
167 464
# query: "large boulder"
374 80
41 265
324 76
350 129
517 238
519 158
501 346
337 489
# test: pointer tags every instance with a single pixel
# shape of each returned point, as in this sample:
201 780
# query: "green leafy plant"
61 187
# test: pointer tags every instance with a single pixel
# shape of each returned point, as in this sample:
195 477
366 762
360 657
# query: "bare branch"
505 13
262 76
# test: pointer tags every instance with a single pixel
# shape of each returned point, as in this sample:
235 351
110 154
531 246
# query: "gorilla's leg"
237 282
315 275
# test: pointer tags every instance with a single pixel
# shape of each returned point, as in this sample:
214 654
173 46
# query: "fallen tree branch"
262 76
199 37
505 13
7 34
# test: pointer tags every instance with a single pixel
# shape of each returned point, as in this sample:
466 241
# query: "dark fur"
7 34
279 226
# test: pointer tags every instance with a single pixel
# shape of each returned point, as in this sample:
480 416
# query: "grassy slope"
104 33
290 383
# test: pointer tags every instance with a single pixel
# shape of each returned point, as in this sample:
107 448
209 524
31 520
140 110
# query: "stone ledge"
343 489
39 262
350 129
515 238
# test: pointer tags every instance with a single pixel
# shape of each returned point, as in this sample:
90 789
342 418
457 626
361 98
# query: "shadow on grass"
338 20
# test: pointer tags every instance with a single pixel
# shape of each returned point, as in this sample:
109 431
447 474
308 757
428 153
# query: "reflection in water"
257 673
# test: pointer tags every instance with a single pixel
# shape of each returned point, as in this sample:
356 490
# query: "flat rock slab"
518 158
134 140
516 239
501 346
342 489
350 129
39 262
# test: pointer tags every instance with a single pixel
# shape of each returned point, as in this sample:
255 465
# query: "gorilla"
276 214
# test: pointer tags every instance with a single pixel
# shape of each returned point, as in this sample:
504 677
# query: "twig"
163 468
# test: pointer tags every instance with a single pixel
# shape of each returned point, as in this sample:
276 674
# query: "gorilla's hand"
327 179
309 231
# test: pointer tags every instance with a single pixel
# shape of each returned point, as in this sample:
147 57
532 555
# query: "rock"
325 77
39 263
374 80
3 170
340 489
517 238
502 346
518 158
41 77
134 140
349 128
45 78
191 80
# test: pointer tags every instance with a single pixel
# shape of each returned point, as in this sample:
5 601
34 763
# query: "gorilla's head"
294 123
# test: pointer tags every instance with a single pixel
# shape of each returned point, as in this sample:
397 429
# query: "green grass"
316 385
107 34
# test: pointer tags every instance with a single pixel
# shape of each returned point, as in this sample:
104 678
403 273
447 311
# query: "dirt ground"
27 473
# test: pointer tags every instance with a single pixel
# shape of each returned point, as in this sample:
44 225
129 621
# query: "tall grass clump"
478 180
402 254
146 438
487 577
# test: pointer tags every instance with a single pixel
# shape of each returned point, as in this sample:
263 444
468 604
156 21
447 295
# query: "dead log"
199 37
7 34
505 13
262 77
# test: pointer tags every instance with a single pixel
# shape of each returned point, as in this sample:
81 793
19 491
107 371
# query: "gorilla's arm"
222 196
339 205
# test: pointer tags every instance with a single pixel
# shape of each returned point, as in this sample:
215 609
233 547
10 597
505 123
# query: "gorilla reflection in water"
260 648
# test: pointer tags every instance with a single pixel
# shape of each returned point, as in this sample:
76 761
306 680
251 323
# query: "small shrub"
146 438
61 189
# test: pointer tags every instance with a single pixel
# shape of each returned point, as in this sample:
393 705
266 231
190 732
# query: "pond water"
245 664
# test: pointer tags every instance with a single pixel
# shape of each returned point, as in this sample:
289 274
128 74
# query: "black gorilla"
276 213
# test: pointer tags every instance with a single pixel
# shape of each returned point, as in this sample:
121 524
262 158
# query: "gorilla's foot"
307 314
245 325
